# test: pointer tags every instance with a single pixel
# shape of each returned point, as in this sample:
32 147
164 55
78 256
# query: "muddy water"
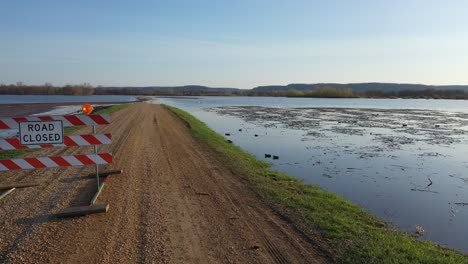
409 167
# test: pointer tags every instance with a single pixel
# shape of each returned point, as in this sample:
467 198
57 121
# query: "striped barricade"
54 162
69 141
67 120
30 138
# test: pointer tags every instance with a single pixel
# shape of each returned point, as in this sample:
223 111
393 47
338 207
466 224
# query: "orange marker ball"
87 109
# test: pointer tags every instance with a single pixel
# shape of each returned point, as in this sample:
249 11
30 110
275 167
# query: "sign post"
88 109
97 166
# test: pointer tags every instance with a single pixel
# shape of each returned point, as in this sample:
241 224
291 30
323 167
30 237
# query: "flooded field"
407 166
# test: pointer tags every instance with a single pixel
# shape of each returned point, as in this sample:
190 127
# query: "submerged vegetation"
344 231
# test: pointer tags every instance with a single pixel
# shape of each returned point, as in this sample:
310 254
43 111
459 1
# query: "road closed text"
41 132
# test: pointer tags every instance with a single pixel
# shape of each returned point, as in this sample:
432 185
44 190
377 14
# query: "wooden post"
105 173
83 210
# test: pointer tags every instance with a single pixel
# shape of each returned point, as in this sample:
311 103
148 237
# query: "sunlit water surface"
408 167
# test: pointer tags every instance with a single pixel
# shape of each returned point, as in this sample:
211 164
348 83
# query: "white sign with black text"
41 132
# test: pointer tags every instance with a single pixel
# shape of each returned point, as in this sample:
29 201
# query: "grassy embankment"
347 233
10 154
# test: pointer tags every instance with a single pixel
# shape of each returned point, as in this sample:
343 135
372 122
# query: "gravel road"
174 203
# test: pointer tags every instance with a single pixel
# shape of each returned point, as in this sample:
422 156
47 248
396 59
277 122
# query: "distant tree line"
349 93
326 92
168 92
427 93
46 89
322 92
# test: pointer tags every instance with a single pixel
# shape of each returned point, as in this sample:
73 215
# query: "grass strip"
17 153
112 109
343 230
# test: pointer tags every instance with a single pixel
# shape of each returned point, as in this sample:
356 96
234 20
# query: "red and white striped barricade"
67 120
46 131
68 141
54 162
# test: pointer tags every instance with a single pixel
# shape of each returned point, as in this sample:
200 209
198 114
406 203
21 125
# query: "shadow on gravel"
84 194
38 219
72 179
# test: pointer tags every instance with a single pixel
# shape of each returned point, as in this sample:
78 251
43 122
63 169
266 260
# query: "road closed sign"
41 132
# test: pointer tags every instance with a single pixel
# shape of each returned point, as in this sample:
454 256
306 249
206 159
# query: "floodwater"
405 161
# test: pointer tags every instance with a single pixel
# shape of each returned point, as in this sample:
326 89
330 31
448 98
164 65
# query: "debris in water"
422 190
430 182
419 231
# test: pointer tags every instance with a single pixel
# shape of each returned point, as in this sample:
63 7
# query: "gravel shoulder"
174 203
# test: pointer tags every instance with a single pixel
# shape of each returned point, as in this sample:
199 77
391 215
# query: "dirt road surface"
174 203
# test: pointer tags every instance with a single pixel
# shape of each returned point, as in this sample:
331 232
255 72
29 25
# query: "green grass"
11 154
347 233
112 109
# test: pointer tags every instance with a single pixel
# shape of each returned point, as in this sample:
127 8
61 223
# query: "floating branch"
422 190
430 182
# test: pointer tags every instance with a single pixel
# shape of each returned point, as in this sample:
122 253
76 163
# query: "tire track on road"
176 202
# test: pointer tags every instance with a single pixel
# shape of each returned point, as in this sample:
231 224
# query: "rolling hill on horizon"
371 86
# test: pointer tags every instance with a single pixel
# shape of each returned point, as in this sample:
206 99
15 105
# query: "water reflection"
407 167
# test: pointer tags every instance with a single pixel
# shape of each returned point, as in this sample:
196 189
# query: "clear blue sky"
241 43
